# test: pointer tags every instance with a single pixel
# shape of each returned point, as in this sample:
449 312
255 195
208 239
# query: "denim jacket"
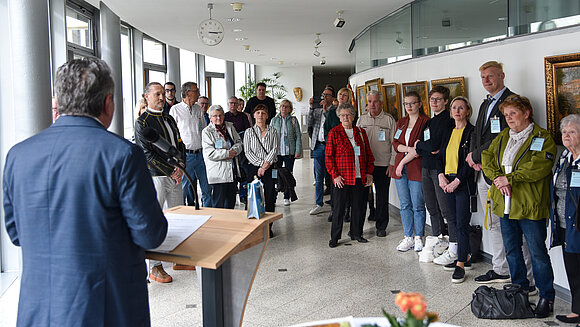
292 132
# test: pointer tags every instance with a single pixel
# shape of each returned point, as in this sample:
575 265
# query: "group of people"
442 164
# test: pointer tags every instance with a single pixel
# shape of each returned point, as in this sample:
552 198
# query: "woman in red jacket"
349 161
408 172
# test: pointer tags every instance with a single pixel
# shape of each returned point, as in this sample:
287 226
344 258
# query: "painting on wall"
392 100
423 89
361 99
456 86
562 89
373 85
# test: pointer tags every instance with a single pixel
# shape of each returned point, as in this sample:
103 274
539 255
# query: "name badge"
495 125
382 135
426 134
357 150
219 144
537 144
398 133
575 180
274 173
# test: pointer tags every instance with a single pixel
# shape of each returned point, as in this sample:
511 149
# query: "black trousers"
223 195
269 186
358 195
381 181
572 264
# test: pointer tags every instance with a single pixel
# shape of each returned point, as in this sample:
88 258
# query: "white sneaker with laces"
406 244
446 258
316 210
286 202
418 244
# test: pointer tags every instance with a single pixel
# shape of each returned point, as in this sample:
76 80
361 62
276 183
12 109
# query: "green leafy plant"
274 88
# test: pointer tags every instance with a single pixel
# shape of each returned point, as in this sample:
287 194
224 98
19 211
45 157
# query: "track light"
339 22
316 53
317 40
399 39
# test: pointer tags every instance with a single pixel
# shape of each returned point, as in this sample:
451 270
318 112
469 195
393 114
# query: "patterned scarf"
514 144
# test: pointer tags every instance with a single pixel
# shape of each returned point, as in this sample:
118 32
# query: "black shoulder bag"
511 302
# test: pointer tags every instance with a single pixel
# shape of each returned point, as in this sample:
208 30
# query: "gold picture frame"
361 99
392 100
422 88
562 74
456 86
373 84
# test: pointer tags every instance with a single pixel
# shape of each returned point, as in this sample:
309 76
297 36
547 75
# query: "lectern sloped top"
226 233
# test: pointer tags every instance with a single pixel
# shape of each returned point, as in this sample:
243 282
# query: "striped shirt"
254 145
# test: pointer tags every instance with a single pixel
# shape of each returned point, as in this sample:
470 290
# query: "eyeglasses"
326 95
169 90
194 91
408 104
232 103
204 103
435 99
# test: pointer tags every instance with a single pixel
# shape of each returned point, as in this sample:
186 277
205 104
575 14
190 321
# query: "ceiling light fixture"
246 47
233 19
241 38
237 6
399 39
316 53
317 40
237 30
339 21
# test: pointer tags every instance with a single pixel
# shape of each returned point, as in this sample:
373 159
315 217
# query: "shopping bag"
256 206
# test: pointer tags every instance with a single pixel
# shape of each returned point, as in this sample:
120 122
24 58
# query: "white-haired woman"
564 218
221 144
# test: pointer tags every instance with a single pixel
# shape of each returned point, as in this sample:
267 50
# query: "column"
111 53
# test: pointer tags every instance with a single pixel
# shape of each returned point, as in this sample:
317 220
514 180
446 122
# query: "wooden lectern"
227 249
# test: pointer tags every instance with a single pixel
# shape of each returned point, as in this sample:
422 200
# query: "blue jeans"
535 232
319 171
195 167
412 205
460 216
288 162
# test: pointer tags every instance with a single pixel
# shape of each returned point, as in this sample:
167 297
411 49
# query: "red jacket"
339 154
414 166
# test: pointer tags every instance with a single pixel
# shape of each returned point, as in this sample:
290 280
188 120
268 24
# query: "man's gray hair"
149 86
572 119
376 93
214 108
345 106
81 86
186 87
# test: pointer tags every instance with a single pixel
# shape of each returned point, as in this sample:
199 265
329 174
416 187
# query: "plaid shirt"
339 154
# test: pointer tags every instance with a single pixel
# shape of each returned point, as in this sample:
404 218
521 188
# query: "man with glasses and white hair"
190 121
380 127
203 102
170 99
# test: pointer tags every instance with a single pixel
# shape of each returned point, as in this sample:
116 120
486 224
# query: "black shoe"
564 318
381 233
372 217
360 239
544 308
492 277
458 275
332 243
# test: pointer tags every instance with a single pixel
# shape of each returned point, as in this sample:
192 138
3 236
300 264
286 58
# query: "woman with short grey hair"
565 195
221 145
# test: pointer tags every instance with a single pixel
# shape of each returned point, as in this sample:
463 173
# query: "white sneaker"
446 258
418 244
406 244
286 202
316 210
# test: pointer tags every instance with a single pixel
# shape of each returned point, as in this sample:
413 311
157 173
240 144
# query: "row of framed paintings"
392 94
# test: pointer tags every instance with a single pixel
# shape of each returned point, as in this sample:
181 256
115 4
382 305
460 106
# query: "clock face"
210 32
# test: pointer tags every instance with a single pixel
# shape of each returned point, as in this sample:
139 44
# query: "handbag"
511 302
256 200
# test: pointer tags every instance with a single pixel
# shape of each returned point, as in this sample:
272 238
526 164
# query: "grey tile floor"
301 279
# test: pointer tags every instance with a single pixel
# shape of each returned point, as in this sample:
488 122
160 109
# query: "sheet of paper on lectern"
179 228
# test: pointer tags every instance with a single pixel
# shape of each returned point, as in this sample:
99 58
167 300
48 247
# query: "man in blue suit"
80 202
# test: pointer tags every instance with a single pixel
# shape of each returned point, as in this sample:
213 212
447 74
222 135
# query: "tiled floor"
301 279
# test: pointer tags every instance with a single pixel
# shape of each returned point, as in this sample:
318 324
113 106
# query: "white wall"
292 77
523 59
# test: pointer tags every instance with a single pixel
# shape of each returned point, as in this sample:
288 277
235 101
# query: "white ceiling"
276 30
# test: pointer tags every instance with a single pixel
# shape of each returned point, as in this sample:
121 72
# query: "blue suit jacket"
80 202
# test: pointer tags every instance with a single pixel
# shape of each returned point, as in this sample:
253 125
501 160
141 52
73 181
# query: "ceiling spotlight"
323 61
317 40
316 53
399 39
339 21
237 30
233 19
241 38
280 62
237 6
246 47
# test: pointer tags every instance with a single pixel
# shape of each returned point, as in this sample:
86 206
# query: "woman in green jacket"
519 162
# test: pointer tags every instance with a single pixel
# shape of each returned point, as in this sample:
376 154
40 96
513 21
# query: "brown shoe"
177 266
158 274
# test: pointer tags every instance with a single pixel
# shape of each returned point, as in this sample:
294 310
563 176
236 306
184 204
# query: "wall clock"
210 32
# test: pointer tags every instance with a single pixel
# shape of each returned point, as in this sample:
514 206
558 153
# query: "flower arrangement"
413 304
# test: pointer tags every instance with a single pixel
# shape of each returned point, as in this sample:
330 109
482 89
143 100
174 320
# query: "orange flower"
419 310
399 298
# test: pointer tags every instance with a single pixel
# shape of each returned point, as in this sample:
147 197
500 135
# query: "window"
80 31
129 100
154 60
540 15
187 67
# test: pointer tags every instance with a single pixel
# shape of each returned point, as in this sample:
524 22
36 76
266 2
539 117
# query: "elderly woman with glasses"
519 162
565 198
349 160
221 145
290 139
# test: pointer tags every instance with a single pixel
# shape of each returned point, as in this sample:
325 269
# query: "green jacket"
530 177
292 131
